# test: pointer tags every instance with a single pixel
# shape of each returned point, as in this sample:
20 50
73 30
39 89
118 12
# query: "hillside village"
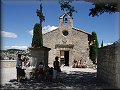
11 54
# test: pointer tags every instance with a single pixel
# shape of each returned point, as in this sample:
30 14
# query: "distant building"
67 42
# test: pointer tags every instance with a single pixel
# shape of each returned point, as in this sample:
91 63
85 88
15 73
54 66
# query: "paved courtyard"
70 79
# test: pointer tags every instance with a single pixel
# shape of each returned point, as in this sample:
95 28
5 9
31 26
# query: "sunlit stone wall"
108 65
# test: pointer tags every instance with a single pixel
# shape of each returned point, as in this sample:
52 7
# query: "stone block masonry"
108 65
67 42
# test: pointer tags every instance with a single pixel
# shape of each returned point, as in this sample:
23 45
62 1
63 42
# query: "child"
41 71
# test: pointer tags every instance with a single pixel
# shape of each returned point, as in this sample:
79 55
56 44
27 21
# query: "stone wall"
49 40
7 63
81 46
108 65
75 41
79 41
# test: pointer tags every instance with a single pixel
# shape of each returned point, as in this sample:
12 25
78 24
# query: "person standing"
19 67
24 61
56 69
74 63
41 71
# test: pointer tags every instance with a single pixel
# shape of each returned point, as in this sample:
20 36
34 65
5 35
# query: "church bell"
66 20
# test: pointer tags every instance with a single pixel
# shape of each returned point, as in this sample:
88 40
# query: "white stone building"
67 42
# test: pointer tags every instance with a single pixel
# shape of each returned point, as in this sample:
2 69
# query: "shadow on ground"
75 80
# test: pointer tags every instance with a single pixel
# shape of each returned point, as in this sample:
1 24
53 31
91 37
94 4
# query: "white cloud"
31 32
45 29
8 34
105 44
48 28
15 47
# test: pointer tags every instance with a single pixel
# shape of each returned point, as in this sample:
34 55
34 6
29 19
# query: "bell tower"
65 21
65 28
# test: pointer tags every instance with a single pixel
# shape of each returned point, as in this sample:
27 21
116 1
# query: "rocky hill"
11 53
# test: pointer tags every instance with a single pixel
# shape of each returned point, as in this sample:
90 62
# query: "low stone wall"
7 63
108 65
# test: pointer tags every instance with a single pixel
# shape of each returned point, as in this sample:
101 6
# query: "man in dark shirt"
19 67
56 68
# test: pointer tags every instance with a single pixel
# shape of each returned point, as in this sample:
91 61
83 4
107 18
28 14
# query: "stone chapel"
67 42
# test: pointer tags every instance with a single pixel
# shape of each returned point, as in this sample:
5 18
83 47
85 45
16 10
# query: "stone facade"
108 65
39 54
67 42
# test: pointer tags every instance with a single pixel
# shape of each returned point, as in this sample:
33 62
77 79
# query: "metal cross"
40 14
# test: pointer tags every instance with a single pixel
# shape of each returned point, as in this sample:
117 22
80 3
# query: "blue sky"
19 17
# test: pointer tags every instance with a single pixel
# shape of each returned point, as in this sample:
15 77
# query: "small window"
65 33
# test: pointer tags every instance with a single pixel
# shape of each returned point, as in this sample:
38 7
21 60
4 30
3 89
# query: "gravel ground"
70 79
7 74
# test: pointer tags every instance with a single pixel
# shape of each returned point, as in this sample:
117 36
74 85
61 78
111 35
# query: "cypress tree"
94 47
37 39
102 44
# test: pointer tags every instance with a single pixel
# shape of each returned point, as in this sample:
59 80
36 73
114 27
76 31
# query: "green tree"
66 6
102 44
37 39
100 6
93 47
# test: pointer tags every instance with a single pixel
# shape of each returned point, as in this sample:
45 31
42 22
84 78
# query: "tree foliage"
102 44
37 39
66 6
100 8
93 47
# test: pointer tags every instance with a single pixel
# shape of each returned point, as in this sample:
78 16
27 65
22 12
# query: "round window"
65 33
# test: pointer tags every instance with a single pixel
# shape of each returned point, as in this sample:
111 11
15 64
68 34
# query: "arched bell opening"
65 20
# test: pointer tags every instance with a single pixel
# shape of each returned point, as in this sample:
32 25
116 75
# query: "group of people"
79 63
50 72
20 66
42 72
